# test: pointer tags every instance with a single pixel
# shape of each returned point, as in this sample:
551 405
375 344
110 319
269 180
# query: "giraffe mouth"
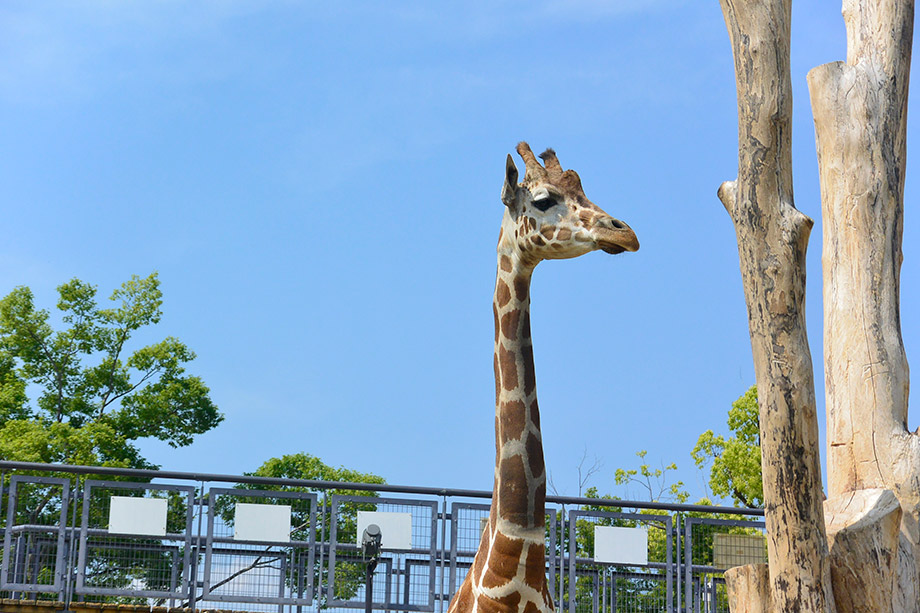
618 241
614 236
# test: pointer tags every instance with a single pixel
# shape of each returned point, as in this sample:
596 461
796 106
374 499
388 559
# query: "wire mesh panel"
406 577
135 540
619 562
467 524
33 542
712 546
260 547
468 521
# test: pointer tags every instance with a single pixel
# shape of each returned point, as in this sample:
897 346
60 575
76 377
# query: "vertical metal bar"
688 563
72 547
84 529
552 553
62 528
669 564
613 592
193 583
442 551
452 580
572 522
307 562
318 589
330 575
174 575
281 582
604 573
679 559
562 531
433 551
186 580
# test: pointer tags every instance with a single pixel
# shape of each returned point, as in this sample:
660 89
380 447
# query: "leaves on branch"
93 397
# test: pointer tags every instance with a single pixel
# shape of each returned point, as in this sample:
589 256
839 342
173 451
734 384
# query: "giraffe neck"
509 571
518 503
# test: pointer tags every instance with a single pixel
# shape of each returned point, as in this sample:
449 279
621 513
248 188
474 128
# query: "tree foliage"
652 482
93 397
735 462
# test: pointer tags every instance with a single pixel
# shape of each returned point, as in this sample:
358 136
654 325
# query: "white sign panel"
262 522
395 528
145 516
615 545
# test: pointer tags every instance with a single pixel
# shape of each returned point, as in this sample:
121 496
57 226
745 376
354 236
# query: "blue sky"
317 185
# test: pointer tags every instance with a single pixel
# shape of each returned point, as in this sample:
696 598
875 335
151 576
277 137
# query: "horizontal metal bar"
368 487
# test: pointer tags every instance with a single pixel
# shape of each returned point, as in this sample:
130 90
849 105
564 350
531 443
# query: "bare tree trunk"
772 239
860 111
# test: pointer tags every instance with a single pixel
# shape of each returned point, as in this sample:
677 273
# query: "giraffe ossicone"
547 216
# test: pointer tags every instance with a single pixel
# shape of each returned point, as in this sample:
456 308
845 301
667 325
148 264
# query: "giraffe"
547 216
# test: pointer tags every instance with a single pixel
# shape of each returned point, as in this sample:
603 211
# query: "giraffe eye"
545 203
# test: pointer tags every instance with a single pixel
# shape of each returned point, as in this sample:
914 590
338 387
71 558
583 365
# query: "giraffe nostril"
610 222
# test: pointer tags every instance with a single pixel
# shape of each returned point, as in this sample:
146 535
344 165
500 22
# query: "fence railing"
76 535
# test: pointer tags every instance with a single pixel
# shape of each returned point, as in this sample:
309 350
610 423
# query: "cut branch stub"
748 589
863 530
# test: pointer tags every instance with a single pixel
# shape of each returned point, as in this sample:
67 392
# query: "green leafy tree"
94 398
652 482
735 462
349 575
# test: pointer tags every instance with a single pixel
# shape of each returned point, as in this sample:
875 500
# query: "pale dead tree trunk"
772 239
860 111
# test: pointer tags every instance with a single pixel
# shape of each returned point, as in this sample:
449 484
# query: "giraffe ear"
509 189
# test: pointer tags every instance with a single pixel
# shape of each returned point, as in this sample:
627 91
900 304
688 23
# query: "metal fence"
195 541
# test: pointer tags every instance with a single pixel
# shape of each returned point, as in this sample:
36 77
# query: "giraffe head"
549 217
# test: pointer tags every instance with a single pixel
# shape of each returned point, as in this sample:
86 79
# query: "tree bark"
863 530
772 239
749 589
860 112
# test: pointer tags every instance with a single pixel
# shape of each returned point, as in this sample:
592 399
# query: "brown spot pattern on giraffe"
502 293
503 561
539 499
508 604
498 442
463 601
548 231
521 287
531 608
512 420
547 597
534 454
495 317
505 263
564 234
508 368
512 490
530 378
478 564
534 573
510 323
535 414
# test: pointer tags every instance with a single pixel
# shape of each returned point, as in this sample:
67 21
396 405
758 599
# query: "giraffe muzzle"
614 236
